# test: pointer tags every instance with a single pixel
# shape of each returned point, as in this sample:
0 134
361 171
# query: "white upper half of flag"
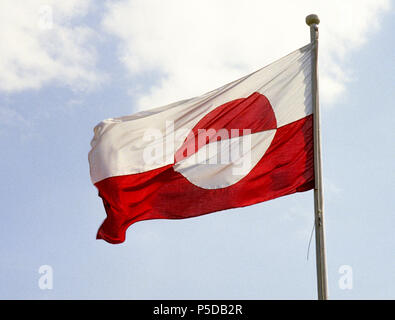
118 144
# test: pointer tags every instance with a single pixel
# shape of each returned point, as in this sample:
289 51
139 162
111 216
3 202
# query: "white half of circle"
221 164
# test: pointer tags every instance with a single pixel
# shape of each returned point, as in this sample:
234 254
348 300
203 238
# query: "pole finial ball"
312 19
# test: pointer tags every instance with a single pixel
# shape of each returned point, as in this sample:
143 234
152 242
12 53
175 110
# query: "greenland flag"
249 141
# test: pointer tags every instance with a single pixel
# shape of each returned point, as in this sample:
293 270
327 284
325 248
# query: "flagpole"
312 21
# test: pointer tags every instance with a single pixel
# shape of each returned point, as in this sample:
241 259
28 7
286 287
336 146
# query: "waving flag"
246 142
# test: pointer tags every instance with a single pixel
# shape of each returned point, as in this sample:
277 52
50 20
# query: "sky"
65 66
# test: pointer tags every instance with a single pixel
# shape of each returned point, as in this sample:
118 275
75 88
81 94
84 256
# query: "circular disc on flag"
227 143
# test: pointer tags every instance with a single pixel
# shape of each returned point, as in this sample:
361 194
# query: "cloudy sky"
66 65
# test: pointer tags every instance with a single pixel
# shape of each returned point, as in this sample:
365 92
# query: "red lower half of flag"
286 167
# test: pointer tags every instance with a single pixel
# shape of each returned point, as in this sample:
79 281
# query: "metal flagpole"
312 21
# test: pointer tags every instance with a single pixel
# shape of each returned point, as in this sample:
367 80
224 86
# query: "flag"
246 142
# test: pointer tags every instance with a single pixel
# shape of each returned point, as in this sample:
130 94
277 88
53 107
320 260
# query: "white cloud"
40 42
200 45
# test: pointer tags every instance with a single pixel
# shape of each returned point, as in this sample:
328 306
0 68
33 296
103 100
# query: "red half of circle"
254 113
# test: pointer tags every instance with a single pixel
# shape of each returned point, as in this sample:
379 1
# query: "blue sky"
91 62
